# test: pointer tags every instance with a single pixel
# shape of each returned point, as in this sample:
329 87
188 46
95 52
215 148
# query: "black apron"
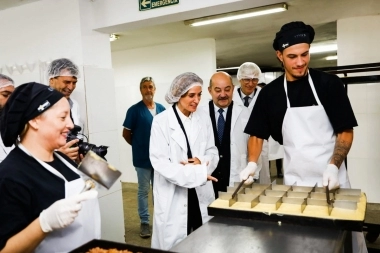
194 217
222 171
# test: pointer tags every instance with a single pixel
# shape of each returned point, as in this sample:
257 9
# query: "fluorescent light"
227 68
321 48
114 37
331 58
269 9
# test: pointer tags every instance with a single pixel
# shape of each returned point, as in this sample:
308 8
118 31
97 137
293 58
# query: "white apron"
309 141
86 225
276 151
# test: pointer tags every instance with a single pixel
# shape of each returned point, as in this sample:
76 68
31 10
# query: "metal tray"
113 245
351 225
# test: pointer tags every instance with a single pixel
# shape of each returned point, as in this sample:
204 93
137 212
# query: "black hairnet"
293 33
26 102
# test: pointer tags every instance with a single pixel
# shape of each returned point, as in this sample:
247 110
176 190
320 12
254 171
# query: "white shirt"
225 110
250 95
187 123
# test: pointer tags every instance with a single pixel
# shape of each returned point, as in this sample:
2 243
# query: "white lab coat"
263 162
172 179
238 101
239 141
75 113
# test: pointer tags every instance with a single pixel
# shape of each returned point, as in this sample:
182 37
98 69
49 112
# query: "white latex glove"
330 177
63 212
248 171
249 180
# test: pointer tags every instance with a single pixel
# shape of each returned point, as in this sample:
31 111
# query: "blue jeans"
144 177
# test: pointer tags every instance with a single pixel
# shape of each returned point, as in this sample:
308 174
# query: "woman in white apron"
43 209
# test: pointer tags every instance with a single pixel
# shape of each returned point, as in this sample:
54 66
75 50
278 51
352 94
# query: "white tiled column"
359 46
100 105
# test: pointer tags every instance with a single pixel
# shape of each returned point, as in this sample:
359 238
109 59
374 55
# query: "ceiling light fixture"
331 58
269 9
114 37
229 68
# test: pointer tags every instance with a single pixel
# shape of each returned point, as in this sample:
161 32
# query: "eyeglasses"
247 80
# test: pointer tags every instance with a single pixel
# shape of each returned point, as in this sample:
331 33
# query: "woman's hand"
192 161
211 178
63 212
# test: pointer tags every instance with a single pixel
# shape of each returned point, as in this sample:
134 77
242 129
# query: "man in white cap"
6 89
245 96
248 75
63 75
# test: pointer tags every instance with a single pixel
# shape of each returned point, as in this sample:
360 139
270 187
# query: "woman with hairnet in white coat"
183 156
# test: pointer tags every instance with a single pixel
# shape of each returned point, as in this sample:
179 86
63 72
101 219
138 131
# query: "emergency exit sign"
145 5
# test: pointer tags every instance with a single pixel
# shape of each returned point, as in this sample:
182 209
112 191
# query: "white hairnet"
248 70
180 85
5 81
62 67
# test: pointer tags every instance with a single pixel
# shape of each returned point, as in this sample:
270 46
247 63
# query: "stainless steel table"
222 234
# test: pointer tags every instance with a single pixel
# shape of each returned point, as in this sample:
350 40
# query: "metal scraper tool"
99 169
233 199
329 200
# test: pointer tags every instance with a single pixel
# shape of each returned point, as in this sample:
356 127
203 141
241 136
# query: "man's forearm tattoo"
340 151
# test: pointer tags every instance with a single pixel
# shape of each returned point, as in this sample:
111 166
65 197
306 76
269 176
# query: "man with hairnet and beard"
6 89
308 111
136 132
228 123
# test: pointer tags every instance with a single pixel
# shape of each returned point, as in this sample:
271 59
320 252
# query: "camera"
84 147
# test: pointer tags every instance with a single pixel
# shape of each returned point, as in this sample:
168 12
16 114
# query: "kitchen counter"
223 234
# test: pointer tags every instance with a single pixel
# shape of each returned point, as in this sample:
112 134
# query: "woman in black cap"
42 209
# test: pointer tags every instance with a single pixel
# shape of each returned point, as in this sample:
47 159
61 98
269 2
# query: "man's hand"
79 159
71 152
330 177
248 171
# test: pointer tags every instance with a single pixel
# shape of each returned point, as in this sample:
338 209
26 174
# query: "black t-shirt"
270 108
26 189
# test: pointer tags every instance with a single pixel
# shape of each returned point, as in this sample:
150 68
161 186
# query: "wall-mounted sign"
153 4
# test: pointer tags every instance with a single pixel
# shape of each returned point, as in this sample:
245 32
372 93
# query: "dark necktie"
221 123
246 102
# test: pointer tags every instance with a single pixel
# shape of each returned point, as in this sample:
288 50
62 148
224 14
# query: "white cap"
248 70
62 67
180 85
5 81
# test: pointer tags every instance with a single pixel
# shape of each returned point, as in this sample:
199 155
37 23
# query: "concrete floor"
132 220
131 216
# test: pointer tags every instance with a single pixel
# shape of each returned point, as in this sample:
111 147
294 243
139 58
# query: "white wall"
358 46
163 63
